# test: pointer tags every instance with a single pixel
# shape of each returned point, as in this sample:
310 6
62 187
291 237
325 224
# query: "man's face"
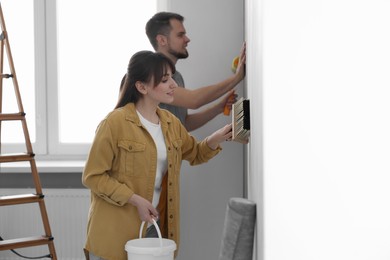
178 40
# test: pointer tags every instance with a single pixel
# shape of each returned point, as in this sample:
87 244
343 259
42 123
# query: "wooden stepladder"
27 156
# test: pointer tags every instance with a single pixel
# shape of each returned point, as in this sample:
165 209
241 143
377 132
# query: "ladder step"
13 116
20 199
6 76
24 242
22 157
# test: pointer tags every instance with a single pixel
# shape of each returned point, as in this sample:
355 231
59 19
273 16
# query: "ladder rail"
10 60
46 239
1 84
5 41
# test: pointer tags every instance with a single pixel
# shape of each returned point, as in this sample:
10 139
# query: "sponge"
226 110
235 62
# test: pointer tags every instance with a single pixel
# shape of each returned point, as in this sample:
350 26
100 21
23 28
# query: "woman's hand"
146 211
219 136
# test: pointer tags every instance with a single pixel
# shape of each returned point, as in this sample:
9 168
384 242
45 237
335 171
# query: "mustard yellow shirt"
121 162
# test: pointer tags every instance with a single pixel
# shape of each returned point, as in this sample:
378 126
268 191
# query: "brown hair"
144 66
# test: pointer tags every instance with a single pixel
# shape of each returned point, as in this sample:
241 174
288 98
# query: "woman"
134 163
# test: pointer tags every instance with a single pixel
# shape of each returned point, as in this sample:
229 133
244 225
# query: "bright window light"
96 39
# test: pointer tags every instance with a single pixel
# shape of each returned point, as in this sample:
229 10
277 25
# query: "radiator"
67 210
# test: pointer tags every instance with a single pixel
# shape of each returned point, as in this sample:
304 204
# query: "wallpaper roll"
239 229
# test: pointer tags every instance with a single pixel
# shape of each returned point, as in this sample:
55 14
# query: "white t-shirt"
157 135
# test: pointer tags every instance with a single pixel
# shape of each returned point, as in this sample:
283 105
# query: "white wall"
254 87
216 30
324 176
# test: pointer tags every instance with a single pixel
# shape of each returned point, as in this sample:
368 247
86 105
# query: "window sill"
44 166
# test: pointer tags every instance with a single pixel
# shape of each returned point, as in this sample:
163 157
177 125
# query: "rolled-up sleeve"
196 152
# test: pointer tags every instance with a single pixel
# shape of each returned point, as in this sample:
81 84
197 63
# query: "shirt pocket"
132 156
177 154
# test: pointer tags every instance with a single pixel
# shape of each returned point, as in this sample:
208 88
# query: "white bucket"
150 248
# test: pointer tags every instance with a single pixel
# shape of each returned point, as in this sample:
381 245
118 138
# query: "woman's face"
163 92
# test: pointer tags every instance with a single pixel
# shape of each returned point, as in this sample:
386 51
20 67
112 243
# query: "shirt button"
171 216
171 234
130 147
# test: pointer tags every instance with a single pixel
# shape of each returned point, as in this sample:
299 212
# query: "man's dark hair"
160 24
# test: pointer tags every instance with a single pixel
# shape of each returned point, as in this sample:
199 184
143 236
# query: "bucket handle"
157 228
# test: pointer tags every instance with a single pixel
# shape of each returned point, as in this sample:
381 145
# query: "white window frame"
47 146
55 148
41 96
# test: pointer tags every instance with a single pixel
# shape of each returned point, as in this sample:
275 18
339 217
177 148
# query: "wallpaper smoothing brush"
241 121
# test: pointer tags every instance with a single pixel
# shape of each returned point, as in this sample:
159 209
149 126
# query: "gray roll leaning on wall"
239 229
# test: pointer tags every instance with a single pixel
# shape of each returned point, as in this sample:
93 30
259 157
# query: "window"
70 56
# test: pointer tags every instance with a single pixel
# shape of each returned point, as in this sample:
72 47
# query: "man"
167 35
